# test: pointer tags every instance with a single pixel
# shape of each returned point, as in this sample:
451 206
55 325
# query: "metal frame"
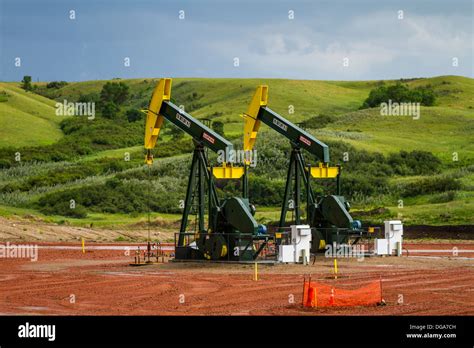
160 108
249 239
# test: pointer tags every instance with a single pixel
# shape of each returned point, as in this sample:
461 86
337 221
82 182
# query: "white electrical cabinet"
299 248
392 243
394 235
381 247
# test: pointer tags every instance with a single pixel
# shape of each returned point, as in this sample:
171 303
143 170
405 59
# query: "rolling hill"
442 129
28 119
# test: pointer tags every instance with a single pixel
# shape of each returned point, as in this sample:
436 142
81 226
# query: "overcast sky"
312 45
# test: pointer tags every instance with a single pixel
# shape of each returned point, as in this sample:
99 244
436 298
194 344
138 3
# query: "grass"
456 212
414 212
27 119
96 220
439 130
443 129
115 153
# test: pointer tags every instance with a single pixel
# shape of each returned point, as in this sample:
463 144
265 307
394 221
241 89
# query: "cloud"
374 42
268 44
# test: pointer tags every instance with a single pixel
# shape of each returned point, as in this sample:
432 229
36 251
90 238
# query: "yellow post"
255 277
335 268
315 297
83 246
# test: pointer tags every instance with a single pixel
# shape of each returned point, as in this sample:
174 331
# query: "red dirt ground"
103 283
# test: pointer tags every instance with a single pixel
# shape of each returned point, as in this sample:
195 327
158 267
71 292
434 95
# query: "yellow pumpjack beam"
160 108
258 112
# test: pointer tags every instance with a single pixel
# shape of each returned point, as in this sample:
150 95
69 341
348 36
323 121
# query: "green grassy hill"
26 118
444 128
89 155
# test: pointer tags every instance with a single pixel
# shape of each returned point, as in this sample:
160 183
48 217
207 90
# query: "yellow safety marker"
335 268
322 244
83 246
256 272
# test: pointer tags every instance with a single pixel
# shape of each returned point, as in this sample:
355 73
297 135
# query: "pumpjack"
232 231
328 215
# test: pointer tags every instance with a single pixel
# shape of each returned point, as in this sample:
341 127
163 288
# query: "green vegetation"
425 163
56 84
26 83
27 119
399 93
317 122
218 127
431 185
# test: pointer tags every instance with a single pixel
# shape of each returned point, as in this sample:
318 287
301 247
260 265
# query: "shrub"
134 115
430 185
443 197
399 93
362 184
218 127
114 92
63 208
26 83
109 109
119 196
56 84
317 122
414 163
4 163
89 98
266 191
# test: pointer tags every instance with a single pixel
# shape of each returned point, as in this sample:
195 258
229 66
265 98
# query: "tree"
56 84
428 96
400 93
89 98
26 83
117 93
134 115
109 110
218 127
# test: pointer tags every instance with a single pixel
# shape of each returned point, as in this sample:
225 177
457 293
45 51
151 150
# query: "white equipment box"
393 239
394 235
299 248
381 247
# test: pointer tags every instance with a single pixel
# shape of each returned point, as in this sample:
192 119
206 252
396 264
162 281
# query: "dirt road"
101 282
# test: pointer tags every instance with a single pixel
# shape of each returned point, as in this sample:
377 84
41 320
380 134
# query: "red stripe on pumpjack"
208 138
304 140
